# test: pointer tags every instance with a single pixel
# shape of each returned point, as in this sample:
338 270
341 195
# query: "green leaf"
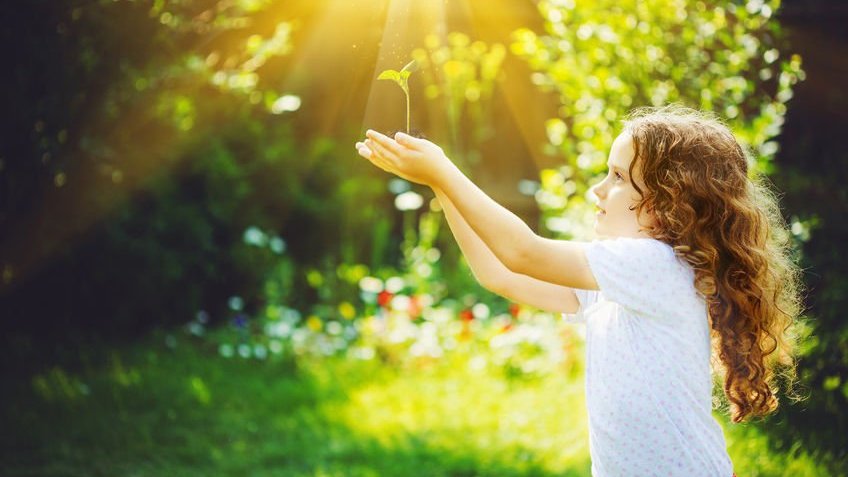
389 75
409 68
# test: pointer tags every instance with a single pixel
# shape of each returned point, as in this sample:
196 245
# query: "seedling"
401 77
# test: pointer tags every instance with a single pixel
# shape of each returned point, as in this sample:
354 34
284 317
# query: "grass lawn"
152 410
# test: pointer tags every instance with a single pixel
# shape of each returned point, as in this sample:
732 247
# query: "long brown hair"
724 220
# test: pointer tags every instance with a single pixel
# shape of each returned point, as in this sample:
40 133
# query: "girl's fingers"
381 150
363 150
375 159
385 141
411 142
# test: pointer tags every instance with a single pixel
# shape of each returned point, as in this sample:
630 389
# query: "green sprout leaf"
409 68
401 78
390 75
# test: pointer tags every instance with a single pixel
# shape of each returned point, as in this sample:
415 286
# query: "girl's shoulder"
636 245
644 275
640 256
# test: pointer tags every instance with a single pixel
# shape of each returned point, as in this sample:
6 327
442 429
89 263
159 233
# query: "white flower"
480 311
334 328
290 315
226 350
277 245
325 347
424 270
438 315
424 348
255 236
195 328
299 336
409 201
275 346
400 303
371 285
278 329
288 102
235 303
363 353
477 363
394 284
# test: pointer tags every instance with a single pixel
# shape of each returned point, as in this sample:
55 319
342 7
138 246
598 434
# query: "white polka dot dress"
648 383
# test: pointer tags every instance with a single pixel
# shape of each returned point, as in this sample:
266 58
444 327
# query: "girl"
692 270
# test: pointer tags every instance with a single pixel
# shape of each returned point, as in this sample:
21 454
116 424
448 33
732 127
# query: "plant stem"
407 112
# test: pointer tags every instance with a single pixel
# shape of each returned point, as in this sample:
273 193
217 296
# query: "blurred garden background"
200 276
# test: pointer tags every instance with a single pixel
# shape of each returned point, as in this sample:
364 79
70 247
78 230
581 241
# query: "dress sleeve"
586 298
640 274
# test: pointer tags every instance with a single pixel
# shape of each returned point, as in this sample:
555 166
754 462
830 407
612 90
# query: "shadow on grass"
152 410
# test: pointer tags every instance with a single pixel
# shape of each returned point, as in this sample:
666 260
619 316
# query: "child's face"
616 194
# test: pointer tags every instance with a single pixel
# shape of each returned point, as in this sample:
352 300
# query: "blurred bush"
133 168
404 317
604 58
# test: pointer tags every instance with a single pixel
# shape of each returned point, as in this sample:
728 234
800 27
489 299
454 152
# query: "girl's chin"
601 231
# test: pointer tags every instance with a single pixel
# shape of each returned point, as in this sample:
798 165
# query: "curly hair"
724 220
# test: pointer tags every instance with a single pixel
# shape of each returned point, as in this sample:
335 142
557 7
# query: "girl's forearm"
487 269
505 234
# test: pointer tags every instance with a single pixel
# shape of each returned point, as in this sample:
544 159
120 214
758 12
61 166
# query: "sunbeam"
404 28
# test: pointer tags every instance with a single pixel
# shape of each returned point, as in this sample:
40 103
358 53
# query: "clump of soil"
413 132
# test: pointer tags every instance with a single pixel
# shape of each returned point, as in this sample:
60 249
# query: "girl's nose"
597 190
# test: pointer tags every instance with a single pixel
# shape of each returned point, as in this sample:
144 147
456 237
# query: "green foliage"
459 80
202 414
603 58
813 166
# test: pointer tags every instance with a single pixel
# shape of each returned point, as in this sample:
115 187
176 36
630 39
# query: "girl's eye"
619 176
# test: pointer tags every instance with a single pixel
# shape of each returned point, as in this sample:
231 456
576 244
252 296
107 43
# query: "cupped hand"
414 159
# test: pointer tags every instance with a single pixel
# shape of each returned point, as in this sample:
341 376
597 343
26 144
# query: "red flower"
384 298
514 308
466 315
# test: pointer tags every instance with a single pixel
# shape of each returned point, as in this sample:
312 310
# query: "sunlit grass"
514 425
153 410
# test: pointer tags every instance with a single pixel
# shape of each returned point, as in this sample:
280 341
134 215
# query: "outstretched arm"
487 269
496 277
507 236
